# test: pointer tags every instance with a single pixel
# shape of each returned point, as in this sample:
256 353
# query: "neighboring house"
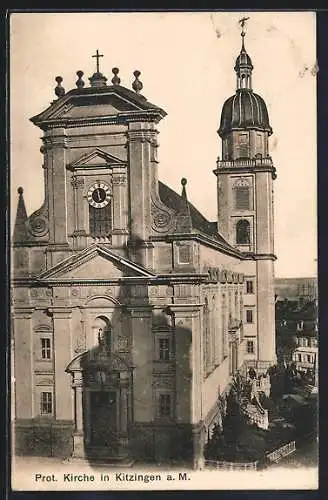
305 357
296 323
131 310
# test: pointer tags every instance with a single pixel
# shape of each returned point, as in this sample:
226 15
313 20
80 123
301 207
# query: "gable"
98 268
97 263
96 158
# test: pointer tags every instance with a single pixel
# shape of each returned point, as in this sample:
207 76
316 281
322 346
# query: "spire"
184 222
20 232
243 66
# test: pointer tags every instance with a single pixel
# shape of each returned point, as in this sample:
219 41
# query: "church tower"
245 177
99 147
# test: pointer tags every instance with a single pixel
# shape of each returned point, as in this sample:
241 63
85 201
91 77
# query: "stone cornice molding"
119 118
140 310
260 256
182 309
60 312
162 279
23 312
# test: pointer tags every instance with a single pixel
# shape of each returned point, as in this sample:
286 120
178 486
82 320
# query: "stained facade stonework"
131 311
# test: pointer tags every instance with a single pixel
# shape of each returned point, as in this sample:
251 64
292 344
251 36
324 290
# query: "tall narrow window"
249 316
45 348
165 405
164 349
100 221
46 403
241 190
249 286
243 232
250 347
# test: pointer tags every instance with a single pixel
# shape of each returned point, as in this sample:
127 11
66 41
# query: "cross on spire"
242 23
97 55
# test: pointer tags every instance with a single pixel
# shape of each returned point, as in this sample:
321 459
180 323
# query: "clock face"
99 195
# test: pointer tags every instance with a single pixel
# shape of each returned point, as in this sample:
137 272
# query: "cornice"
178 309
260 256
119 118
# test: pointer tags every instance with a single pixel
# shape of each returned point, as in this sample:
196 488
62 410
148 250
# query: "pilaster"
142 359
188 349
24 385
63 355
55 142
78 435
124 413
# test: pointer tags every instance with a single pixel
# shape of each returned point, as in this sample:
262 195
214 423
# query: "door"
103 418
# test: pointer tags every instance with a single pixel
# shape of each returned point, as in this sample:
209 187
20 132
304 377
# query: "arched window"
103 332
243 232
242 194
100 221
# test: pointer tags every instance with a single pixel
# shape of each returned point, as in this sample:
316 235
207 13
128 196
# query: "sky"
186 61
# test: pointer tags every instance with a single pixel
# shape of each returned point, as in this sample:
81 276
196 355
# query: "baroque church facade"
131 311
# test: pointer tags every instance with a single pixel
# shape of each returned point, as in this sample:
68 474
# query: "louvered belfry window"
243 146
100 221
242 194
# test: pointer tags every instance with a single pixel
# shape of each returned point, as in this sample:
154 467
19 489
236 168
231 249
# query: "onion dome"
245 109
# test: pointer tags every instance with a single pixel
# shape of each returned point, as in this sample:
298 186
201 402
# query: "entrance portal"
102 388
103 418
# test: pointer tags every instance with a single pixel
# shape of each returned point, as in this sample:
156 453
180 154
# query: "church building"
131 311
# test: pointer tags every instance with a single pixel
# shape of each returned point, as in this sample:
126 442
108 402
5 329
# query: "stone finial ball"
183 181
20 190
137 73
59 79
79 73
115 71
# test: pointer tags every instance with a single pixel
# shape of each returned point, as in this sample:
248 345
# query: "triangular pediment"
96 158
88 105
94 263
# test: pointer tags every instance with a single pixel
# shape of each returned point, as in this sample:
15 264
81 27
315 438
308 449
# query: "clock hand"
98 193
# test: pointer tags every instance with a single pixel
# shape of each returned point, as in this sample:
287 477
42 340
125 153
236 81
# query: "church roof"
244 110
198 221
122 101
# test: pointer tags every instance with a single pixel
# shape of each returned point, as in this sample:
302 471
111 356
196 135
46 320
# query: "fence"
231 466
281 452
274 456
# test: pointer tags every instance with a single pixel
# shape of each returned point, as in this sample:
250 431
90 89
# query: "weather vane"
242 23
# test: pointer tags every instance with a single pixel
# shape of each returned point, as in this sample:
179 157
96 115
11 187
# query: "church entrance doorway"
103 419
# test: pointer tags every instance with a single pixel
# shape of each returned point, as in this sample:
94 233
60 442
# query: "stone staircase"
103 455
255 416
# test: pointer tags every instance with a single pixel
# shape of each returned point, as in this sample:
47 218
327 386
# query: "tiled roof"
199 222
